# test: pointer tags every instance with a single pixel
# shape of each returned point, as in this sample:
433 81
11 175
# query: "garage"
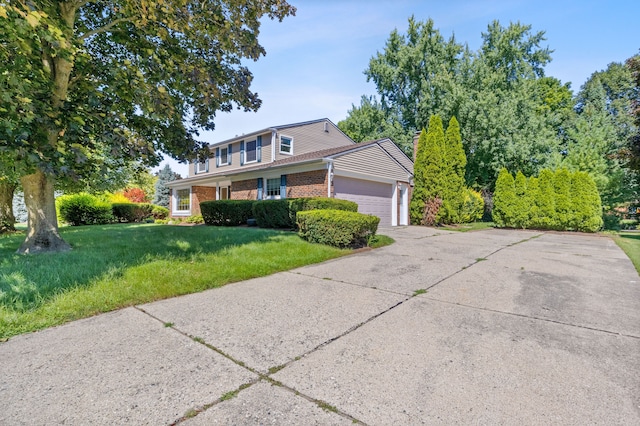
374 198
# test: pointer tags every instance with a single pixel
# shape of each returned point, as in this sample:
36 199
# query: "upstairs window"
202 166
250 153
224 157
286 145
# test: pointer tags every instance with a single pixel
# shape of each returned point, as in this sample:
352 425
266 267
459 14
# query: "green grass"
115 266
378 241
465 227
630 244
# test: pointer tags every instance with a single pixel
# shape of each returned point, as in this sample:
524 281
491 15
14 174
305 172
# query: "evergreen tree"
504 198
454 169
544 216
586 203
162 191
562 188
522 202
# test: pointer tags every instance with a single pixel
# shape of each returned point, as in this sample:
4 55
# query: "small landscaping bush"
628 224
337 228
83 209
159 212
611 221
132 212
194 219
472 207
226 212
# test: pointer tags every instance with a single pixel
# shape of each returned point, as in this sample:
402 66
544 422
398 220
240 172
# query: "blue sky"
315 60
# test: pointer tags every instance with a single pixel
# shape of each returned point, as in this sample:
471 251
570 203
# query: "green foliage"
504 200
83 209
428 169
195 219
611 221
282 213
337 228
560 200
162 191
586 204
132 212
455 161
159 212
472 206
226 212
272 213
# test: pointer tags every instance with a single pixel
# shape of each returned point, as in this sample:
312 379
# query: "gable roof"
277 128
392 150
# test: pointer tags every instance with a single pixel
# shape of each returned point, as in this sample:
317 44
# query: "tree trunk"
42 231
7 219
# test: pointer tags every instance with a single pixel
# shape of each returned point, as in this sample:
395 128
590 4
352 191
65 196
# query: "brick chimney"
416 136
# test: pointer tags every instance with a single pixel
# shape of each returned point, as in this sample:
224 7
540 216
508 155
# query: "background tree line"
511 114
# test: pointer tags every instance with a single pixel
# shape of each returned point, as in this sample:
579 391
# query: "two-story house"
307 159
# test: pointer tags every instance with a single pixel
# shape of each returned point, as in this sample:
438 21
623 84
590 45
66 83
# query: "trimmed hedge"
226 212
560 200
83 209
337 228
282 213
159 212
132 212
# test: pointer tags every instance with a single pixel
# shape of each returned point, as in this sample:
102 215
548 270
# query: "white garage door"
372 197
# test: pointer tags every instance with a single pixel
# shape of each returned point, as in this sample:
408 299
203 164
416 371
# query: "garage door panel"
372 197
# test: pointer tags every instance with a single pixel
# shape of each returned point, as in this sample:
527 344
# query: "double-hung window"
251 152
182 200
202 166
224 157
273 188
286 145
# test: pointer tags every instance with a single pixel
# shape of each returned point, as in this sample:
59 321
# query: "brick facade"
200 194
244 190
307 184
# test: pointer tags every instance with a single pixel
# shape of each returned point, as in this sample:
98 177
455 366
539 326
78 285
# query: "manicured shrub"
226 212
136 195
272 214
282 213
472 207
83 209
561 200
132 212
159 212
504 200
337 228
585 203
611 221
628 224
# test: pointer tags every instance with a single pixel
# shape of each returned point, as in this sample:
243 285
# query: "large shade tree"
131 78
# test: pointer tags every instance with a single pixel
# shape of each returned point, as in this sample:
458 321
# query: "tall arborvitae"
428 169
562 186
545 202
586 203
522 202
504 199
454 164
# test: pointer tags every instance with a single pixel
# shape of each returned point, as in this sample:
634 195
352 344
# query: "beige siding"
235 155
397 153
312 137
373 161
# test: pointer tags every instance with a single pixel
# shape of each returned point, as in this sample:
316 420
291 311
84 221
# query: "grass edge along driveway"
115 266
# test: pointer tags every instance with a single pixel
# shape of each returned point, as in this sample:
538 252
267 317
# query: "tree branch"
104 28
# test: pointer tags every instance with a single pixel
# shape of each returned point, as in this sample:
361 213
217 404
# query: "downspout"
329 177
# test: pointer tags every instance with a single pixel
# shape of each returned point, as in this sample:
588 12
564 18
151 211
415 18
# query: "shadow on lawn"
28 281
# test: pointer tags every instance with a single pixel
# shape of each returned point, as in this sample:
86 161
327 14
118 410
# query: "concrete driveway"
490 327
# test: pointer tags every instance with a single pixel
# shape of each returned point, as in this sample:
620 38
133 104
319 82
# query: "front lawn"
114 266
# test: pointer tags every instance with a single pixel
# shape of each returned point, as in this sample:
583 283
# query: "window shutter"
283 186
259 188
217 157
259 149
241 153
229 155
206 165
